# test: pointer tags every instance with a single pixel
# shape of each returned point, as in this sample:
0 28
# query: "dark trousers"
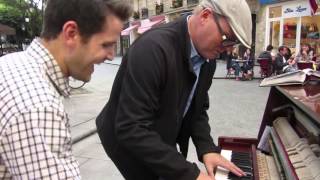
130 167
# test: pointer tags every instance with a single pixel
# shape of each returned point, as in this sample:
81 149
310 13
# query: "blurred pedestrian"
283 65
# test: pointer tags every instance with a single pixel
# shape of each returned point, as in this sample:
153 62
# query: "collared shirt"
197 62
35 140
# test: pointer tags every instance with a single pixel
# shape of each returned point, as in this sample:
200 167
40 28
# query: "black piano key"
240 155
233 176
245 165
241 178
244 162
246 169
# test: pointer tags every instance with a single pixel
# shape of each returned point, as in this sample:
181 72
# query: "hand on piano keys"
212 160
242 160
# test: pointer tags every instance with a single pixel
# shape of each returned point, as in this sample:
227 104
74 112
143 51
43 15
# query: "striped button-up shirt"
35 140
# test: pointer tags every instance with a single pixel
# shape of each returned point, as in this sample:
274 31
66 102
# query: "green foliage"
15 12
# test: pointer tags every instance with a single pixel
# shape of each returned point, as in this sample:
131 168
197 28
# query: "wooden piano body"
299 106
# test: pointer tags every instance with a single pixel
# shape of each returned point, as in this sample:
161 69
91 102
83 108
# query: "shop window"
290 33
274 33
275 12
310 31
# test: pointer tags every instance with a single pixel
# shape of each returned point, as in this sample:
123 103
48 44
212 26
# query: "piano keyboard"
267 169
240 159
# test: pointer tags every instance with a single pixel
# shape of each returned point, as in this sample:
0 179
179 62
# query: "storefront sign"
296 10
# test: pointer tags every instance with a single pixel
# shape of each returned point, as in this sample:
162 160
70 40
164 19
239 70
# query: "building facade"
275 22
289 23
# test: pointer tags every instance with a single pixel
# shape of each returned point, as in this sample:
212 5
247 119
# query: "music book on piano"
296 77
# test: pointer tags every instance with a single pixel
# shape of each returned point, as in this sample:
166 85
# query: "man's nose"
110 54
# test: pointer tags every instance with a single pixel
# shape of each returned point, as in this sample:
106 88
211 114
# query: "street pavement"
236 109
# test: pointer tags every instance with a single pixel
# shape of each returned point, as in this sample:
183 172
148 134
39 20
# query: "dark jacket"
266 55
279 64
143 119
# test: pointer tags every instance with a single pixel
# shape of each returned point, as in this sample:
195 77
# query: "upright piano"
288 143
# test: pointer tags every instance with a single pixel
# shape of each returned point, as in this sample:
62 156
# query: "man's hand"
203 176
212 160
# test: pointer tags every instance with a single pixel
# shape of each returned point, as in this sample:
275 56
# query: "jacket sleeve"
138 104
279 63
201 133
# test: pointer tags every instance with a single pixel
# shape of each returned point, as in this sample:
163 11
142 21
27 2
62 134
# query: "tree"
23 15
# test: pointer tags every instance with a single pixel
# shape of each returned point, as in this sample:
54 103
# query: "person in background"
247 67
160 96
305 54
231 64
35 129
289 54
281 64
316 56
267 54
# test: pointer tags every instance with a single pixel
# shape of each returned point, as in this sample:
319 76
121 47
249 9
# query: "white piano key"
222 173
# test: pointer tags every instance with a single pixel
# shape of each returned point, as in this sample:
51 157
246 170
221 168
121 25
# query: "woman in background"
231 65
247 67
305 54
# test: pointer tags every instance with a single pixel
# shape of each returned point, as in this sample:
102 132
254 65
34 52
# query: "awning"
148 25
127 31
4 29
314 4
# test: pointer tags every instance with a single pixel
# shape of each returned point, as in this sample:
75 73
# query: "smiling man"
160 95
35 141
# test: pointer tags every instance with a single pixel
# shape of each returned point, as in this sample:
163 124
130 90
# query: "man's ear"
205 14
70 33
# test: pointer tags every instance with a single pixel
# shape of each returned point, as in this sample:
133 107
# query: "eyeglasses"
226 42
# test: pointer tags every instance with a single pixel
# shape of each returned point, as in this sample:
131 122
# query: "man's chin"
84 79
212 56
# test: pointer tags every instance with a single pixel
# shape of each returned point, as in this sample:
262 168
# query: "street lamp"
24 29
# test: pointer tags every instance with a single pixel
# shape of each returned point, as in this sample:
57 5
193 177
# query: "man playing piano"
159 97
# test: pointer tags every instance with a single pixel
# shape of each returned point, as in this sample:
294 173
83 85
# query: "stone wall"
254 5
260 11
261 30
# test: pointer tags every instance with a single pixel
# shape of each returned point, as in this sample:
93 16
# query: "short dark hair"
88 14
269 47
281 48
